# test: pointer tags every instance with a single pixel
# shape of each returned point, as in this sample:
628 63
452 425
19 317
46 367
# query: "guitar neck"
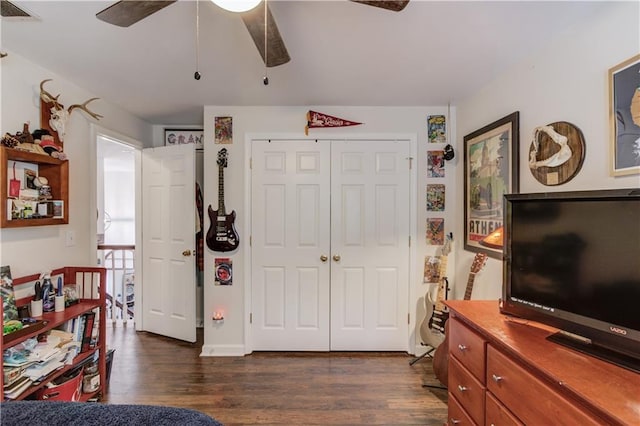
469 289
442 288
221 210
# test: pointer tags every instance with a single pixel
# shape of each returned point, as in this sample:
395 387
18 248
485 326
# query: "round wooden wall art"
556 153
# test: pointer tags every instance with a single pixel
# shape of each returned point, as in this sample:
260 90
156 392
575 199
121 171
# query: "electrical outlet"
70 238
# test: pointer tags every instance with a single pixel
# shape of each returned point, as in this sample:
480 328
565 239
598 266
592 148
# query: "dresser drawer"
457 415
497 414
468 390
529 398
468 347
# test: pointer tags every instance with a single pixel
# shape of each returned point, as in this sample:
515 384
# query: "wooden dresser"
503 371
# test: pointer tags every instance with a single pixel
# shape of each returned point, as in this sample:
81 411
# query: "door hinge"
410 163
251 163
250 241
409 318
409 240
250 318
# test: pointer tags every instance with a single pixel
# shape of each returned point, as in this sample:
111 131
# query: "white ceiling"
342 53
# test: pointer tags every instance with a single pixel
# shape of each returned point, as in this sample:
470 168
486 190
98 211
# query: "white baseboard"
222 350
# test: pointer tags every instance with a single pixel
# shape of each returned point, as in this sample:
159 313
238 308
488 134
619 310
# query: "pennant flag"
318 119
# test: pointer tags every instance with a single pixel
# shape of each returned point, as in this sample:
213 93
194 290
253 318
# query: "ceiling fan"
127 12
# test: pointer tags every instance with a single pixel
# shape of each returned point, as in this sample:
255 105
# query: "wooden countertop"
612 391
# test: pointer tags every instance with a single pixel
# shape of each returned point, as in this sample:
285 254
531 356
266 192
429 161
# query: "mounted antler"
58 115
48 97
84 108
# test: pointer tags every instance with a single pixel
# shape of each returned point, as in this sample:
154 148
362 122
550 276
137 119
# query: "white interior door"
312 201
168 234
369 245
290 220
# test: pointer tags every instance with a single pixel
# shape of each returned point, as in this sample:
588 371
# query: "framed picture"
624 117
490 171
184 136
58 209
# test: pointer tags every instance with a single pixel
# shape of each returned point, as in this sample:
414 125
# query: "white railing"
119 263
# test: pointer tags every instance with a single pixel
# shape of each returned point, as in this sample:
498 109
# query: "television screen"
572 260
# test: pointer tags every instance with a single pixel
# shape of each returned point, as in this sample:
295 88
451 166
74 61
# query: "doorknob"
186 253
336 258
324 258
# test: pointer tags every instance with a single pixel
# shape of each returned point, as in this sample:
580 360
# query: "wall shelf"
55 170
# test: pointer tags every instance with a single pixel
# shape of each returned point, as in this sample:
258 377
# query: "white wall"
32 249
228 338
566 81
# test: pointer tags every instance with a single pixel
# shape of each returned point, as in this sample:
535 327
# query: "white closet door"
290 237
348 201
369 245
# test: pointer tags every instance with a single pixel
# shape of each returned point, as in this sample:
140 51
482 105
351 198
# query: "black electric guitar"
222 235
441 356
432 328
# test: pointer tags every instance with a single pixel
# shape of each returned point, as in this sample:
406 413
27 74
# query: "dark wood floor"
274 388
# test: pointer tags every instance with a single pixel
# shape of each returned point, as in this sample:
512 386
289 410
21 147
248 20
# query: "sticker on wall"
435 164
223 271
223 130
435 197
435 231
437 128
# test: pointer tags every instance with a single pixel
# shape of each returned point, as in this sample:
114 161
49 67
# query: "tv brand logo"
618 330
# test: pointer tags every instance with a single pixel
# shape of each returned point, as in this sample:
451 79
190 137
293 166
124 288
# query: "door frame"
96 131
413 214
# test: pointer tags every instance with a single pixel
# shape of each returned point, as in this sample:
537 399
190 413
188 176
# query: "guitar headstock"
446 248
222 157
478 262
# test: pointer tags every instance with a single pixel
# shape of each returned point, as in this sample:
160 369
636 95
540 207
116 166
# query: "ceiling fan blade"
394 5
127 12
276 50
10 10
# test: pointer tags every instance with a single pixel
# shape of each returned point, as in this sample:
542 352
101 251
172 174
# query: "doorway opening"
116 225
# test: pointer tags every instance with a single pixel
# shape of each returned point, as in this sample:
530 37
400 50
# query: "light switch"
70 238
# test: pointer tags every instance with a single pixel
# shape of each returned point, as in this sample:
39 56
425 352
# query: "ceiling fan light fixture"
236 5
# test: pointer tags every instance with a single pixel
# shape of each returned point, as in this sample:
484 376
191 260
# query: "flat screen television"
572 261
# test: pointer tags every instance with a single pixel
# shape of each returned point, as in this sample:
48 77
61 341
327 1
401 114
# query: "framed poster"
490 171
184 136
624 117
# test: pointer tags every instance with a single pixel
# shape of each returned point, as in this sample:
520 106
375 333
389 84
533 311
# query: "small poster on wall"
223 271
437 128
435 197
435 231
435 164
431 269
223 130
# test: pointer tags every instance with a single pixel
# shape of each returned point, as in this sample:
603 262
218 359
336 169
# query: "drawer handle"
462 388
462 347
496 378
454 421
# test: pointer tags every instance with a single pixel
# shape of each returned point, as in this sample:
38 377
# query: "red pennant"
317 119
